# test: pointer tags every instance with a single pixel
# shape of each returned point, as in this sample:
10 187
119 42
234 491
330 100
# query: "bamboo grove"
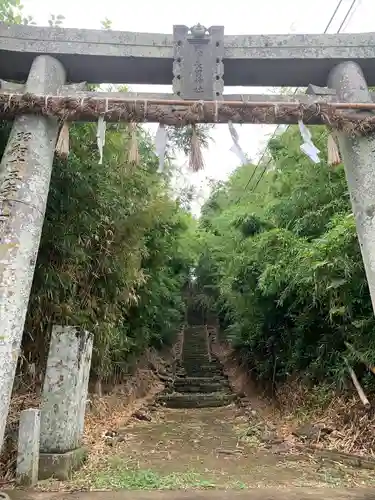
281 266
275 254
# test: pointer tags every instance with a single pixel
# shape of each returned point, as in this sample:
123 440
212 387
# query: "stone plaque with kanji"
198 62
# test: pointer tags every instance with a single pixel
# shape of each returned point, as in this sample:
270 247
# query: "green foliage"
106 24
11 11
179 138
116 247
56 21
118 475
282 267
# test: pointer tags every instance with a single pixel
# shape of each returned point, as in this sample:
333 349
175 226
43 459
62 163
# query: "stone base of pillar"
60 466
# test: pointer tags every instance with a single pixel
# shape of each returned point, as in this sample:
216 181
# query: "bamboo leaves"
282 267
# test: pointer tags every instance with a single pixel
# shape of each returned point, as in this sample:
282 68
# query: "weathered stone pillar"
358 154
64 402
25 173
28 448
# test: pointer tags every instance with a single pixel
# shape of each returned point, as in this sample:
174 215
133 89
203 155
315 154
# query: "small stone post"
28 448
25 174
84 383
64 402
358 154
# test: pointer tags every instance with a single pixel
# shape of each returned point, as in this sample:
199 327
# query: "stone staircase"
199 381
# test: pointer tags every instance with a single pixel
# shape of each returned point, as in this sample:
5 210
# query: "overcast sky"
238 17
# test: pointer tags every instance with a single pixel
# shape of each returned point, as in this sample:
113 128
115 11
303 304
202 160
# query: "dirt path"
206 443
253 494
206 454
206 449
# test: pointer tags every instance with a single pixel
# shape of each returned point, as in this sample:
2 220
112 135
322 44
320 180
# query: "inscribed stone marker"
28 448
65 389
198 62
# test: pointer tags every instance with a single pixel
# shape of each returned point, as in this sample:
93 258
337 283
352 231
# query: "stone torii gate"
337 70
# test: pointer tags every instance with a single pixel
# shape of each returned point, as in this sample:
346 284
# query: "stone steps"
195 360
196 380
197 351
196 400
200 382
199 387
202 370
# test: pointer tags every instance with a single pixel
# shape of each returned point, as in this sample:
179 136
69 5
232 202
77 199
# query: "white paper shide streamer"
308 147
161 145
236 148
100 137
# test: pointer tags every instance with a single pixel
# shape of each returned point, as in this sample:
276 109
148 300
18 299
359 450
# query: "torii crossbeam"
99 56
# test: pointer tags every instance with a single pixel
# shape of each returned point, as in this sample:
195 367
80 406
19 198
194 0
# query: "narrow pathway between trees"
184 445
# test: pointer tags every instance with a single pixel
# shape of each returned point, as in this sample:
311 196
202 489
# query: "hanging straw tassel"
196 162
333 153
133 147
62 144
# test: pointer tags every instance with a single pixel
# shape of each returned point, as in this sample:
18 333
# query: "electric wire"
348 13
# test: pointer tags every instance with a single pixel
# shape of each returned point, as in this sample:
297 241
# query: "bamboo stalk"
357 385
339 115
208 343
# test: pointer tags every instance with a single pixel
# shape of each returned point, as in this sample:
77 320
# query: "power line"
338 31
347 15
333 17
294 93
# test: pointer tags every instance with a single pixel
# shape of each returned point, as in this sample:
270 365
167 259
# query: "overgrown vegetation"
111 257
115 252
118 475
282 267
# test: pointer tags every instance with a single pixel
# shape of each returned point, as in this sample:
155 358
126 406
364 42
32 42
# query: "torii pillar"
25 174
358 154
